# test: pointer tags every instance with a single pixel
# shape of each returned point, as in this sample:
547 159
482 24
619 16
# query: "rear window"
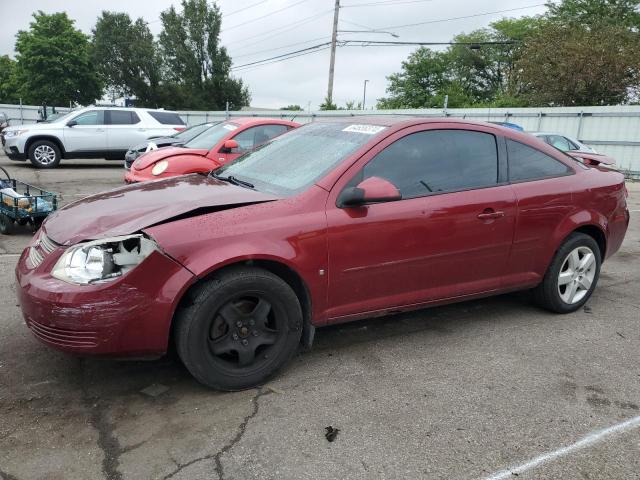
166 118
527 163
123 117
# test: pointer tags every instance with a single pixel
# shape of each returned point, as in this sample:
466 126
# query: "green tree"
54 62
293 108
593 12
9 91
426 78
328 104
126 57
197 67
570 64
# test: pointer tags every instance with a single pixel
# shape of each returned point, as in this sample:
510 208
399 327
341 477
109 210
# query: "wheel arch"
51 138
276 267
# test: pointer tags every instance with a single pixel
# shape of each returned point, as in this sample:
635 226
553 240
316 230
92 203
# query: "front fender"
185 164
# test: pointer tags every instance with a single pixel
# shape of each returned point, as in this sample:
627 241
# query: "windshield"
59 117
192 132
292 162
207 140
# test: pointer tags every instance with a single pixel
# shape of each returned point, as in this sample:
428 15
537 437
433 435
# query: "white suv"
97 132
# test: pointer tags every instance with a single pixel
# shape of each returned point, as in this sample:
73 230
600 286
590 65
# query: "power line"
264 16
279 31
302 54
314 47
245 8
362 43
385 3
460 18
280 48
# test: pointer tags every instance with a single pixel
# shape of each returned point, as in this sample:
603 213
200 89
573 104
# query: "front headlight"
102 260
160 167
14 133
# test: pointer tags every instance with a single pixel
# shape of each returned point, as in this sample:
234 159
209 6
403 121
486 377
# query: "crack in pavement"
7 476
107 441
217 457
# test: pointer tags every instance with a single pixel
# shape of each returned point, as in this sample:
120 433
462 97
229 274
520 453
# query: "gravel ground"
457 392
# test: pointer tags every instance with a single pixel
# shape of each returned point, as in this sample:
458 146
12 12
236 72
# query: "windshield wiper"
233 180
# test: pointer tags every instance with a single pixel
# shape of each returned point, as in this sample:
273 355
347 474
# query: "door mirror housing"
72 123
371 190
228 146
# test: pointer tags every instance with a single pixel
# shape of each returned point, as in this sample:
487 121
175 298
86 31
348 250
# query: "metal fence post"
539 121
21 116
580 125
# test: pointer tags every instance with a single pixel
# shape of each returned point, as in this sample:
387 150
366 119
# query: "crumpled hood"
129 209
149 158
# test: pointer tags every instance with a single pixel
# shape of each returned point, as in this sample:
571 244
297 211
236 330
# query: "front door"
448 237
88 134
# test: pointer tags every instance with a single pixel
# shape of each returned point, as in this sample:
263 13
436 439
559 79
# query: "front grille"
40 250
63 337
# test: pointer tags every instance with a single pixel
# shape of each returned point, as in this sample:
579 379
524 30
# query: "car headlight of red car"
160 167
102 260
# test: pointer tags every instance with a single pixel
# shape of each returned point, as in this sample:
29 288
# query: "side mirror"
72 123
371 190
228 146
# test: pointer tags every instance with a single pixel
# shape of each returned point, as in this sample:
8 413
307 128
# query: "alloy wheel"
576 275
44 154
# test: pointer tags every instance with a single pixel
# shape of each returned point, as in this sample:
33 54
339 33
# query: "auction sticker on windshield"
367 129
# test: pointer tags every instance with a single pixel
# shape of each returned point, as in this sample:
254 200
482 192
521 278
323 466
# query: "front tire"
572 275
240 328
44 154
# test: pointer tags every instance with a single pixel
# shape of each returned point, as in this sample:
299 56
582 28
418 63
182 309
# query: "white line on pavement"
10 254
584 442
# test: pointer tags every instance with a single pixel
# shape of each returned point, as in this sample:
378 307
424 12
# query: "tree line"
580 52
186 67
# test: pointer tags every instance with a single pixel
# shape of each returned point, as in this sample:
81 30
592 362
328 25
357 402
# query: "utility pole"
332 62
364 95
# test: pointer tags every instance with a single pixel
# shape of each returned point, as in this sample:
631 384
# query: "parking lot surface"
477 390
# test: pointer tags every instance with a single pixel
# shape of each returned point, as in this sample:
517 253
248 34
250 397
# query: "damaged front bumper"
127 316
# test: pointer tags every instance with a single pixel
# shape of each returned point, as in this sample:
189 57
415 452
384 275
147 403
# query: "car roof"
246 121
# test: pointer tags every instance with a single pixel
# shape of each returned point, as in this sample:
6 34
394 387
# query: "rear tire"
44 154
572 275
240 328
6 225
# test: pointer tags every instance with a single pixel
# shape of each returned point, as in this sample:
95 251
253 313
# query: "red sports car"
332 222
216 146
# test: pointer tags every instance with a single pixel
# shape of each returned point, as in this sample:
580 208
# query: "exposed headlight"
160 167
102 260
14 133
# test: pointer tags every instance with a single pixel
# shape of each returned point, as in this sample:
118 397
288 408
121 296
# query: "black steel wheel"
239 329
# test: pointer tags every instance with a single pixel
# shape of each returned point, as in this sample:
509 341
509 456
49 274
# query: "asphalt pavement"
488 389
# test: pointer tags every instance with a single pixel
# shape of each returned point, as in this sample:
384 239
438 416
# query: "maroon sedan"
328 223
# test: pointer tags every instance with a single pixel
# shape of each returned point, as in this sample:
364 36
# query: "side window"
93 117
559 142
123 117
256 136
436 161
527 163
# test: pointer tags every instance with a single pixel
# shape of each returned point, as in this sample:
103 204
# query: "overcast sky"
299 24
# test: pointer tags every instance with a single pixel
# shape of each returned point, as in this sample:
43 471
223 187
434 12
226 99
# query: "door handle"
490 214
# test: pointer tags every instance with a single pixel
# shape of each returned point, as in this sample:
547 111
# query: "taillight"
179 129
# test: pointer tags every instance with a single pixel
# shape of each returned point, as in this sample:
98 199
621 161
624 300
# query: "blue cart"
22 204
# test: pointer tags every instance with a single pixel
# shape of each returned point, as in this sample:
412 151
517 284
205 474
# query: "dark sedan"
178 139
